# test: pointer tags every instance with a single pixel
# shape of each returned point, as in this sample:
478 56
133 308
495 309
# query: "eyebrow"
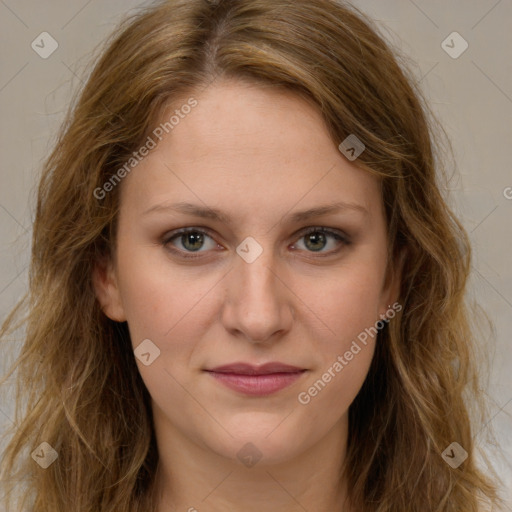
214 214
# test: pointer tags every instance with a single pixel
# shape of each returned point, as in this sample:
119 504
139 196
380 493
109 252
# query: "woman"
247 290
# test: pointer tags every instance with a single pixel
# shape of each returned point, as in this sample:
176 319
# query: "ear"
107 290
393 281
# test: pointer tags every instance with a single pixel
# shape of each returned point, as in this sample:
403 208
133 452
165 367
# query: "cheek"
327 396
162 305
348 303
344 352
170 307
349 309
157 298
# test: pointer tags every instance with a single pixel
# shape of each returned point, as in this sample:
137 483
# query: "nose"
258 301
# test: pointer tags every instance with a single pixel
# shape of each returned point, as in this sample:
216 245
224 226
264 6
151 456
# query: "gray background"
471 95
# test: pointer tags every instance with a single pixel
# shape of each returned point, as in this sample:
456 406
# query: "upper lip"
249 369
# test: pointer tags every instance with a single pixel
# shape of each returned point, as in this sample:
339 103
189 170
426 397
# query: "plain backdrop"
471 94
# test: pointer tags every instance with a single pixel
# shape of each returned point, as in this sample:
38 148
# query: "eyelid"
325 229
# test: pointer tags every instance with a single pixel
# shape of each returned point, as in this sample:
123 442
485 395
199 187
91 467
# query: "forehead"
247 144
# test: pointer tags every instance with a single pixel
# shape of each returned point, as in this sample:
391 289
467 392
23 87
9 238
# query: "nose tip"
257 304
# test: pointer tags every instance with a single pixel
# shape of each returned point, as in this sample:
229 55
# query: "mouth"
257 380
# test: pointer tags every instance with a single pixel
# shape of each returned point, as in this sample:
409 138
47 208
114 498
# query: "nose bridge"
259 279
256 304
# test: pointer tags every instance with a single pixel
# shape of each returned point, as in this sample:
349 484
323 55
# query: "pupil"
316 237
193 237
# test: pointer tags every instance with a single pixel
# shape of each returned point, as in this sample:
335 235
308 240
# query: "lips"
264 369
256 380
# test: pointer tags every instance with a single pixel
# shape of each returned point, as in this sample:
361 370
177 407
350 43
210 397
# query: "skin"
258 155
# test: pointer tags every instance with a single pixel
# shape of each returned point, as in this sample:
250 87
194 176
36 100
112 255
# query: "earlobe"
107 290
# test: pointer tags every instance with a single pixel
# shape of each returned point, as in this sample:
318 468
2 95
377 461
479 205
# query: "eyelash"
169 237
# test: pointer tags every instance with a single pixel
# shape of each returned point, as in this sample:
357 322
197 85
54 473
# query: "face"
255 284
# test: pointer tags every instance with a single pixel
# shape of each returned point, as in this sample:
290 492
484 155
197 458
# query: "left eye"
318 236
192 240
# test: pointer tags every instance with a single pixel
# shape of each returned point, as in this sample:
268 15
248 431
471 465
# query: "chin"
260 445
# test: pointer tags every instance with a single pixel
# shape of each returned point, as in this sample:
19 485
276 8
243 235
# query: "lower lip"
257 385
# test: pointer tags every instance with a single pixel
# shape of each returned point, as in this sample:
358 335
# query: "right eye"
190 239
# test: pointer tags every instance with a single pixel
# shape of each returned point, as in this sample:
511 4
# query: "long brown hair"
77 379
